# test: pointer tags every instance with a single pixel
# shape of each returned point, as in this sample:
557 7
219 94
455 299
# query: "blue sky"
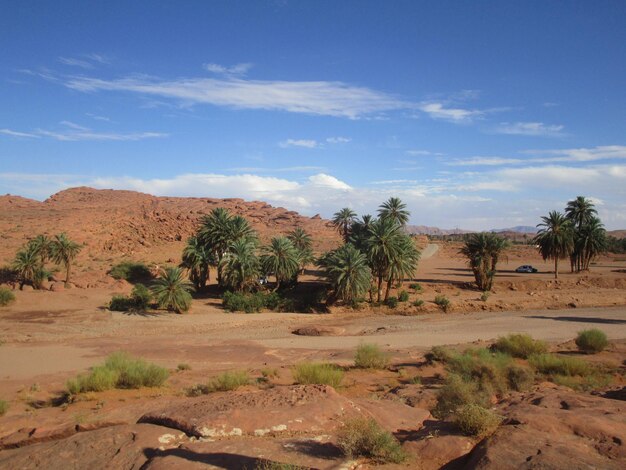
477 114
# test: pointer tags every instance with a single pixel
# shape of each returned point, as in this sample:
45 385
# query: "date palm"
304 244
27 264
42 246
590 241
64 251
395 210
172 291
555 238
580 212
213 234
483 251
347 270
281 259
404 265
240 265
343 220
383 245
197 260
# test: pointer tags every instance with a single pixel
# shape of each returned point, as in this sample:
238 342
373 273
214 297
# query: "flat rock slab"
119 447
393 415
318 331
556 428
293 409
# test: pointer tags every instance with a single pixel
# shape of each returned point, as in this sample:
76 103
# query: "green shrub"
456 393
443 302
591 341
6 296
254 302
392 302
418 303
520 378
131 271
363 437
520 345
403 296
484 296
120 303
439 354
474 420
141 297
4 407
269 373
119 371
230 380
271 465
415 286
583 384
483 367
369 356
317 373
550 364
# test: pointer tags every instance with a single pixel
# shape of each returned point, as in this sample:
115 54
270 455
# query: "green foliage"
271 465
485 296
551 364
131 271
138 300
403 296
120 303
474 420
197 259
443 302
4 407
281 258
240 265
392 302
555 239
369 356
418 303
483 251
439 354
455 393
415 286
347 272
343 221
592 341
520 378
6 296
228 381
251 302
317 373
172 291
64 251
487 369
520 345
363 437
395 210
583 384
270 373
119 371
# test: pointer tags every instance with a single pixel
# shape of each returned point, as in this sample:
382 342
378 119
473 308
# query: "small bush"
141 297
228 381
120 303
362 437
4 407
403 296
456 393
591 341
418 303
485 296
486 369
183 366
520 345
520 378
317 373
369 356
269 373
439 354
474 420
415 286
392 302
119 371
271 465
6 296
550 364
583 384
443 302
253 302
131 271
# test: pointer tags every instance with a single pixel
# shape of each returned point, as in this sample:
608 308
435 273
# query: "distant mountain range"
426 230
517 229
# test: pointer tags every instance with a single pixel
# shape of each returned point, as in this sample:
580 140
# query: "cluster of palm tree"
483 251
229 244
578 234
30 261
377 253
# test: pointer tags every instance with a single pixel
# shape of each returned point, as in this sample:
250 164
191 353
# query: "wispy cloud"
307 143
529 128
437 110
18 134
288 169
83 64
98 118
338 140
237 69
74 132
422 153
317 97
86 61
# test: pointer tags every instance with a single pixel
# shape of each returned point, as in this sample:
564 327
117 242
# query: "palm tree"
360 231
238 228
404 265
395 210
343 220
483 251
240 264
304 244
27 265
347 271
42 246
172 291
280 258
197 260
64 251
590 241
384 245
555 239
580 212
213 234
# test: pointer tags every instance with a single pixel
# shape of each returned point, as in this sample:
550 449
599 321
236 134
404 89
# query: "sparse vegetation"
4 407
442 302
418 303
225 382
172 291
139 300
403 296
592 341
456 393
317 373
392 302
520 345
250 302
439 354
369 356
520 378
474 420
552 365
416 287
131 271
271 465
119 371
363 437
269 373
483 251
6 296
485 296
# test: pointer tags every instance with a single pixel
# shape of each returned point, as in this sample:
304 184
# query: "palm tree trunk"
389 282
380 288
556 267
67 273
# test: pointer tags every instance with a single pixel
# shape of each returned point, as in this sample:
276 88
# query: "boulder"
318 331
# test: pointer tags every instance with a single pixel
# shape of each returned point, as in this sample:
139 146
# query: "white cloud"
338 140
75 62
327 181
603 152
487 161
18 134
310 144
529 128
440 111
237 69
320 97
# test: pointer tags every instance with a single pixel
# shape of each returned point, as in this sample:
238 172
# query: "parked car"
527 268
